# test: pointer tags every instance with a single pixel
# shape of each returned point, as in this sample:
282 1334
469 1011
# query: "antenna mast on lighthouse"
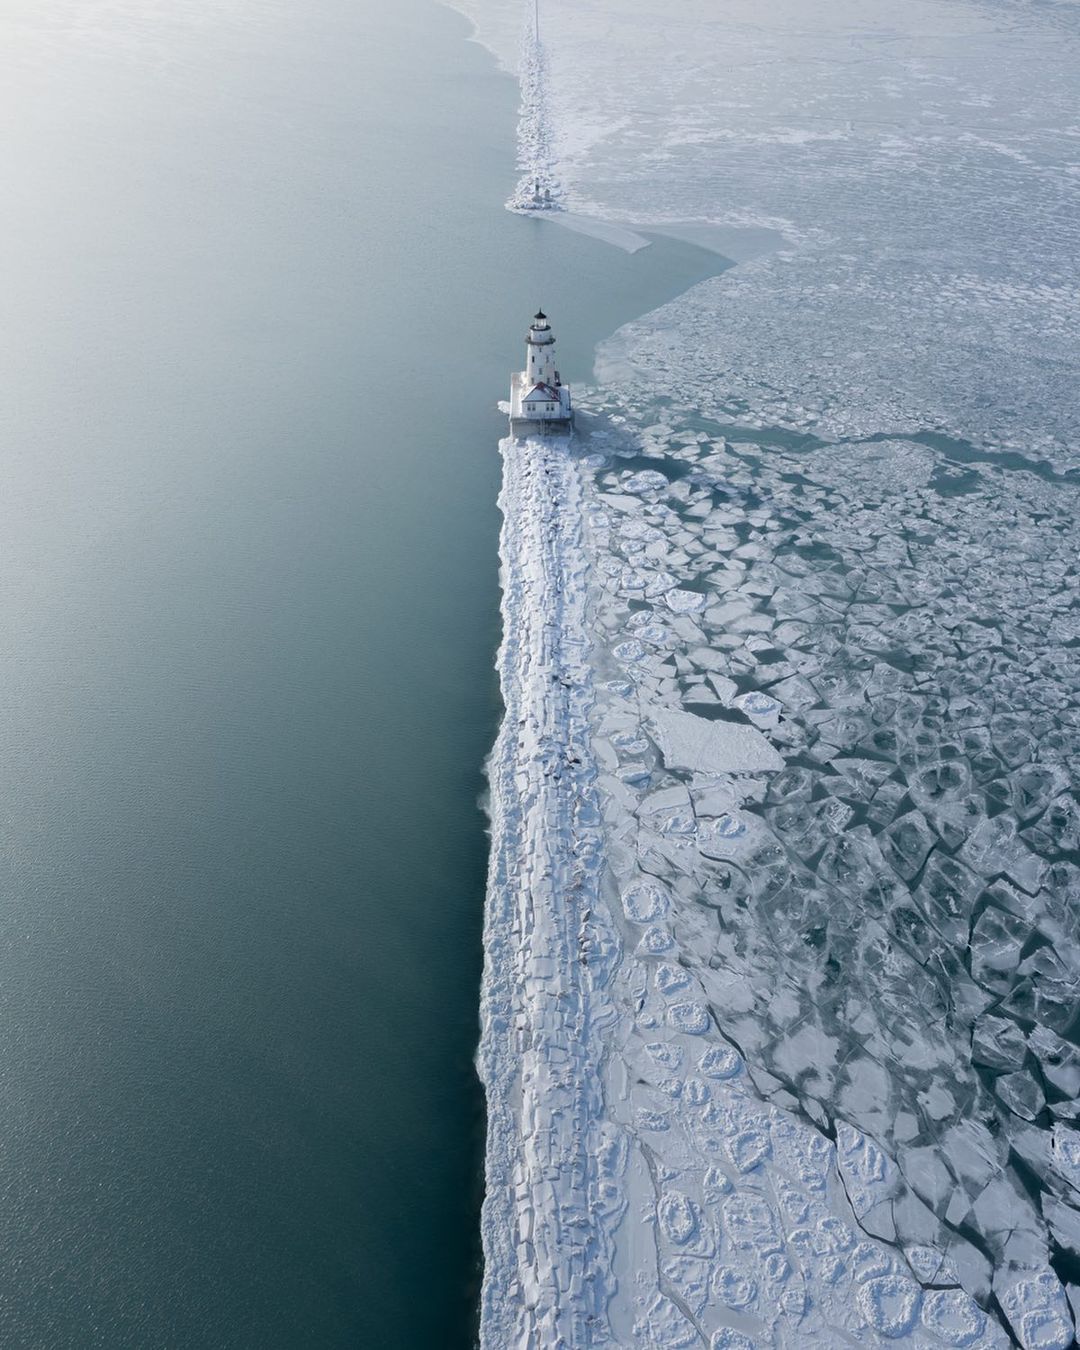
537 5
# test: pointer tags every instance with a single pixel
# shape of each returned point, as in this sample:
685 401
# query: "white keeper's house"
539 401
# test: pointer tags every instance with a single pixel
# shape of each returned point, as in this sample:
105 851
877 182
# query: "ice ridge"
545 1251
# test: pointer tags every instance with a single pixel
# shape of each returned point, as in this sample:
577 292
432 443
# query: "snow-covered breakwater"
538 185
542 1250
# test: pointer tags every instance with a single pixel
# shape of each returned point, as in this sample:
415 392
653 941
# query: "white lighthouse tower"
539 401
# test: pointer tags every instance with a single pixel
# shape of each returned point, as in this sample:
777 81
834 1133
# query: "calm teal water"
258 300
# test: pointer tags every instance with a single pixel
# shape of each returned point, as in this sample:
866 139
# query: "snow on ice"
793 1059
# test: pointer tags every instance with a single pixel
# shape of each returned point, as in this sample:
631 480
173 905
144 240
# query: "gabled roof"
544 391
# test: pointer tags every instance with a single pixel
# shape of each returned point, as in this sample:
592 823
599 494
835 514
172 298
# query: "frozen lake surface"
826 973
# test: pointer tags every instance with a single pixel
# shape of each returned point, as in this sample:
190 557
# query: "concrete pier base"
521 428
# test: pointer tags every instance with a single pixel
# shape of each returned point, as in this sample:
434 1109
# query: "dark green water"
258 300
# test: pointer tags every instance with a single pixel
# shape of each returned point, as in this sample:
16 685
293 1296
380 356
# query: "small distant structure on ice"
541 199
539 401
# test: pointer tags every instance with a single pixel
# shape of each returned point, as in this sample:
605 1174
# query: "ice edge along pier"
539 401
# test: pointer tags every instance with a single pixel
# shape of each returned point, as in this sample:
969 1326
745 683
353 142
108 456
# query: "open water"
259 298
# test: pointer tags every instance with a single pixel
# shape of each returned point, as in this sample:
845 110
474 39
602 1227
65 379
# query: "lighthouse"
539 401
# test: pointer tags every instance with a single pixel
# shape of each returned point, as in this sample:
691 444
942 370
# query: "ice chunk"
1058 831
1021 1094
974 1155
668 1054
1059 1061
687 741
890 1304
996 942
993 848
729 835
655 941
725 689
681 601
720 1061
706 659
1064 1221
729 1339
1036 1306
677 1216
998 1043
906 843
691 1017
644 902
796 692
762 710
931 1266
939 782
946 894
953 1316
1033 786
646 480
669 978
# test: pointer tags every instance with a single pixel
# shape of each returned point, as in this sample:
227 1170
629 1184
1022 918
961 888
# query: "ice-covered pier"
544 1254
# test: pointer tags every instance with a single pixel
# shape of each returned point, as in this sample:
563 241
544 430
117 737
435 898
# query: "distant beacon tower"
539 401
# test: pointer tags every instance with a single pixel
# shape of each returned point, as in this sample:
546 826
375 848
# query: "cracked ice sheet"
646 1180
817 917
855 921
721 1203
919 161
